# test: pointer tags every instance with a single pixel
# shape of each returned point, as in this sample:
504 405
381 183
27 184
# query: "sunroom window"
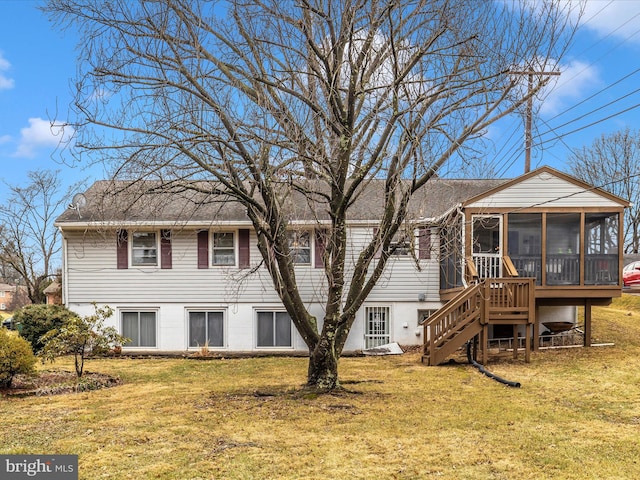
563 257
525 244
601 249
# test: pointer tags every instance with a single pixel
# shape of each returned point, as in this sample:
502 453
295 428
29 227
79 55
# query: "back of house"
183 272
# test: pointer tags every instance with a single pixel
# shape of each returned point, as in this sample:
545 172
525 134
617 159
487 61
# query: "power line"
596 94
593 111
609 117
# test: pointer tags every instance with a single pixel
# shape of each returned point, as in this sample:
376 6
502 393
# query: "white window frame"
140 310
214 248
206 310
405 247
133 248
292 236
424 314
273 312
488 264
3 293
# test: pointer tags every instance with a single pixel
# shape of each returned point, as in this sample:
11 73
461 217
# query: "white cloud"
620 19
5 139
41 134
5 82
575 81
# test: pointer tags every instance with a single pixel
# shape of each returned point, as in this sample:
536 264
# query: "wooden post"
536 329
587 322
515 341
485 344
486 303
527 343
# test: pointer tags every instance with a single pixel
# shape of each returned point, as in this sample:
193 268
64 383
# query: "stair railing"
462 310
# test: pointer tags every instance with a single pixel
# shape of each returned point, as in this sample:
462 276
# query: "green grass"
577 416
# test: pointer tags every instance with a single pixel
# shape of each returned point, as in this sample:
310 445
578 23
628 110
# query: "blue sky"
600 78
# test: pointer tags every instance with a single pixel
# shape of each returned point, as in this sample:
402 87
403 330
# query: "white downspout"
65 271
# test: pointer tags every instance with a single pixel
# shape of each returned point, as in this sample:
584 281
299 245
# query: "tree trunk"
323 366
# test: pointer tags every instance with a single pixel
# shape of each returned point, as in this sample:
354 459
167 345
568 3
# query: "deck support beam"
484 342
536 328
587 322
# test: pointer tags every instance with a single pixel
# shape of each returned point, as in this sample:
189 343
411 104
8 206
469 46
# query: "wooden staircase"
506 301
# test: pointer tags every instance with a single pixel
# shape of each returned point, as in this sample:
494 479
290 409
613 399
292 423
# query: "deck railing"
488 265
465 309
495 301
511 300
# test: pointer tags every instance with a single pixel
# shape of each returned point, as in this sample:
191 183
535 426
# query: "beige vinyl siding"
401 281
92 275
544 190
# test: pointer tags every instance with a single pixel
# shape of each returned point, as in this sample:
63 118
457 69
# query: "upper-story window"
223 250
411 242
300 247
402 244
144 249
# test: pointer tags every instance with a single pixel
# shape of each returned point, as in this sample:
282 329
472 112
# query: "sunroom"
552 241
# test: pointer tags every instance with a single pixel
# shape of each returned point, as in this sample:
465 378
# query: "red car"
631 274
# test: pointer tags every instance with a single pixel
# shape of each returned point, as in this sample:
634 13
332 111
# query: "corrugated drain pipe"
486 372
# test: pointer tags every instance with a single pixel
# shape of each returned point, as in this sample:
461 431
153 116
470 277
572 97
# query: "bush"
16 357
36 320
82 336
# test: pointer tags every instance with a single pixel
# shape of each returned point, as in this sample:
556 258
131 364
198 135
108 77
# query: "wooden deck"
495 301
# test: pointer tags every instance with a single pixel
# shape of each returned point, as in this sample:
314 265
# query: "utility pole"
528 115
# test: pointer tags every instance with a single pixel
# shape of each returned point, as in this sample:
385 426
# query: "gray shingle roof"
120 202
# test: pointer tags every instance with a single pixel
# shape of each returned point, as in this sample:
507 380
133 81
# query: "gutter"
115 224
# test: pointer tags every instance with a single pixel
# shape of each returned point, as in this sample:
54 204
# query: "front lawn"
577 416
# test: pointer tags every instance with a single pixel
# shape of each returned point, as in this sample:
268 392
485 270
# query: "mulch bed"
56 383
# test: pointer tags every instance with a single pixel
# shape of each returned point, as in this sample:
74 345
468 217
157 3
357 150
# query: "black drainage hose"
488 373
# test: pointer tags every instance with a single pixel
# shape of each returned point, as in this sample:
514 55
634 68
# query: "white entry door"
486 235
377 326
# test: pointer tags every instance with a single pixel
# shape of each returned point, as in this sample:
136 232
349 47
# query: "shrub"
16 357
36 320
82 336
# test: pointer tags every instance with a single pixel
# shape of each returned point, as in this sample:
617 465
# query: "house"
13 297
53 293
181 273
7 294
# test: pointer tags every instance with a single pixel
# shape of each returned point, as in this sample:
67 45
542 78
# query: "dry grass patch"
576 417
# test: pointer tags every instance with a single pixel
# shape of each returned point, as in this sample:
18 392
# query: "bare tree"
334 93
613 163
29 242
